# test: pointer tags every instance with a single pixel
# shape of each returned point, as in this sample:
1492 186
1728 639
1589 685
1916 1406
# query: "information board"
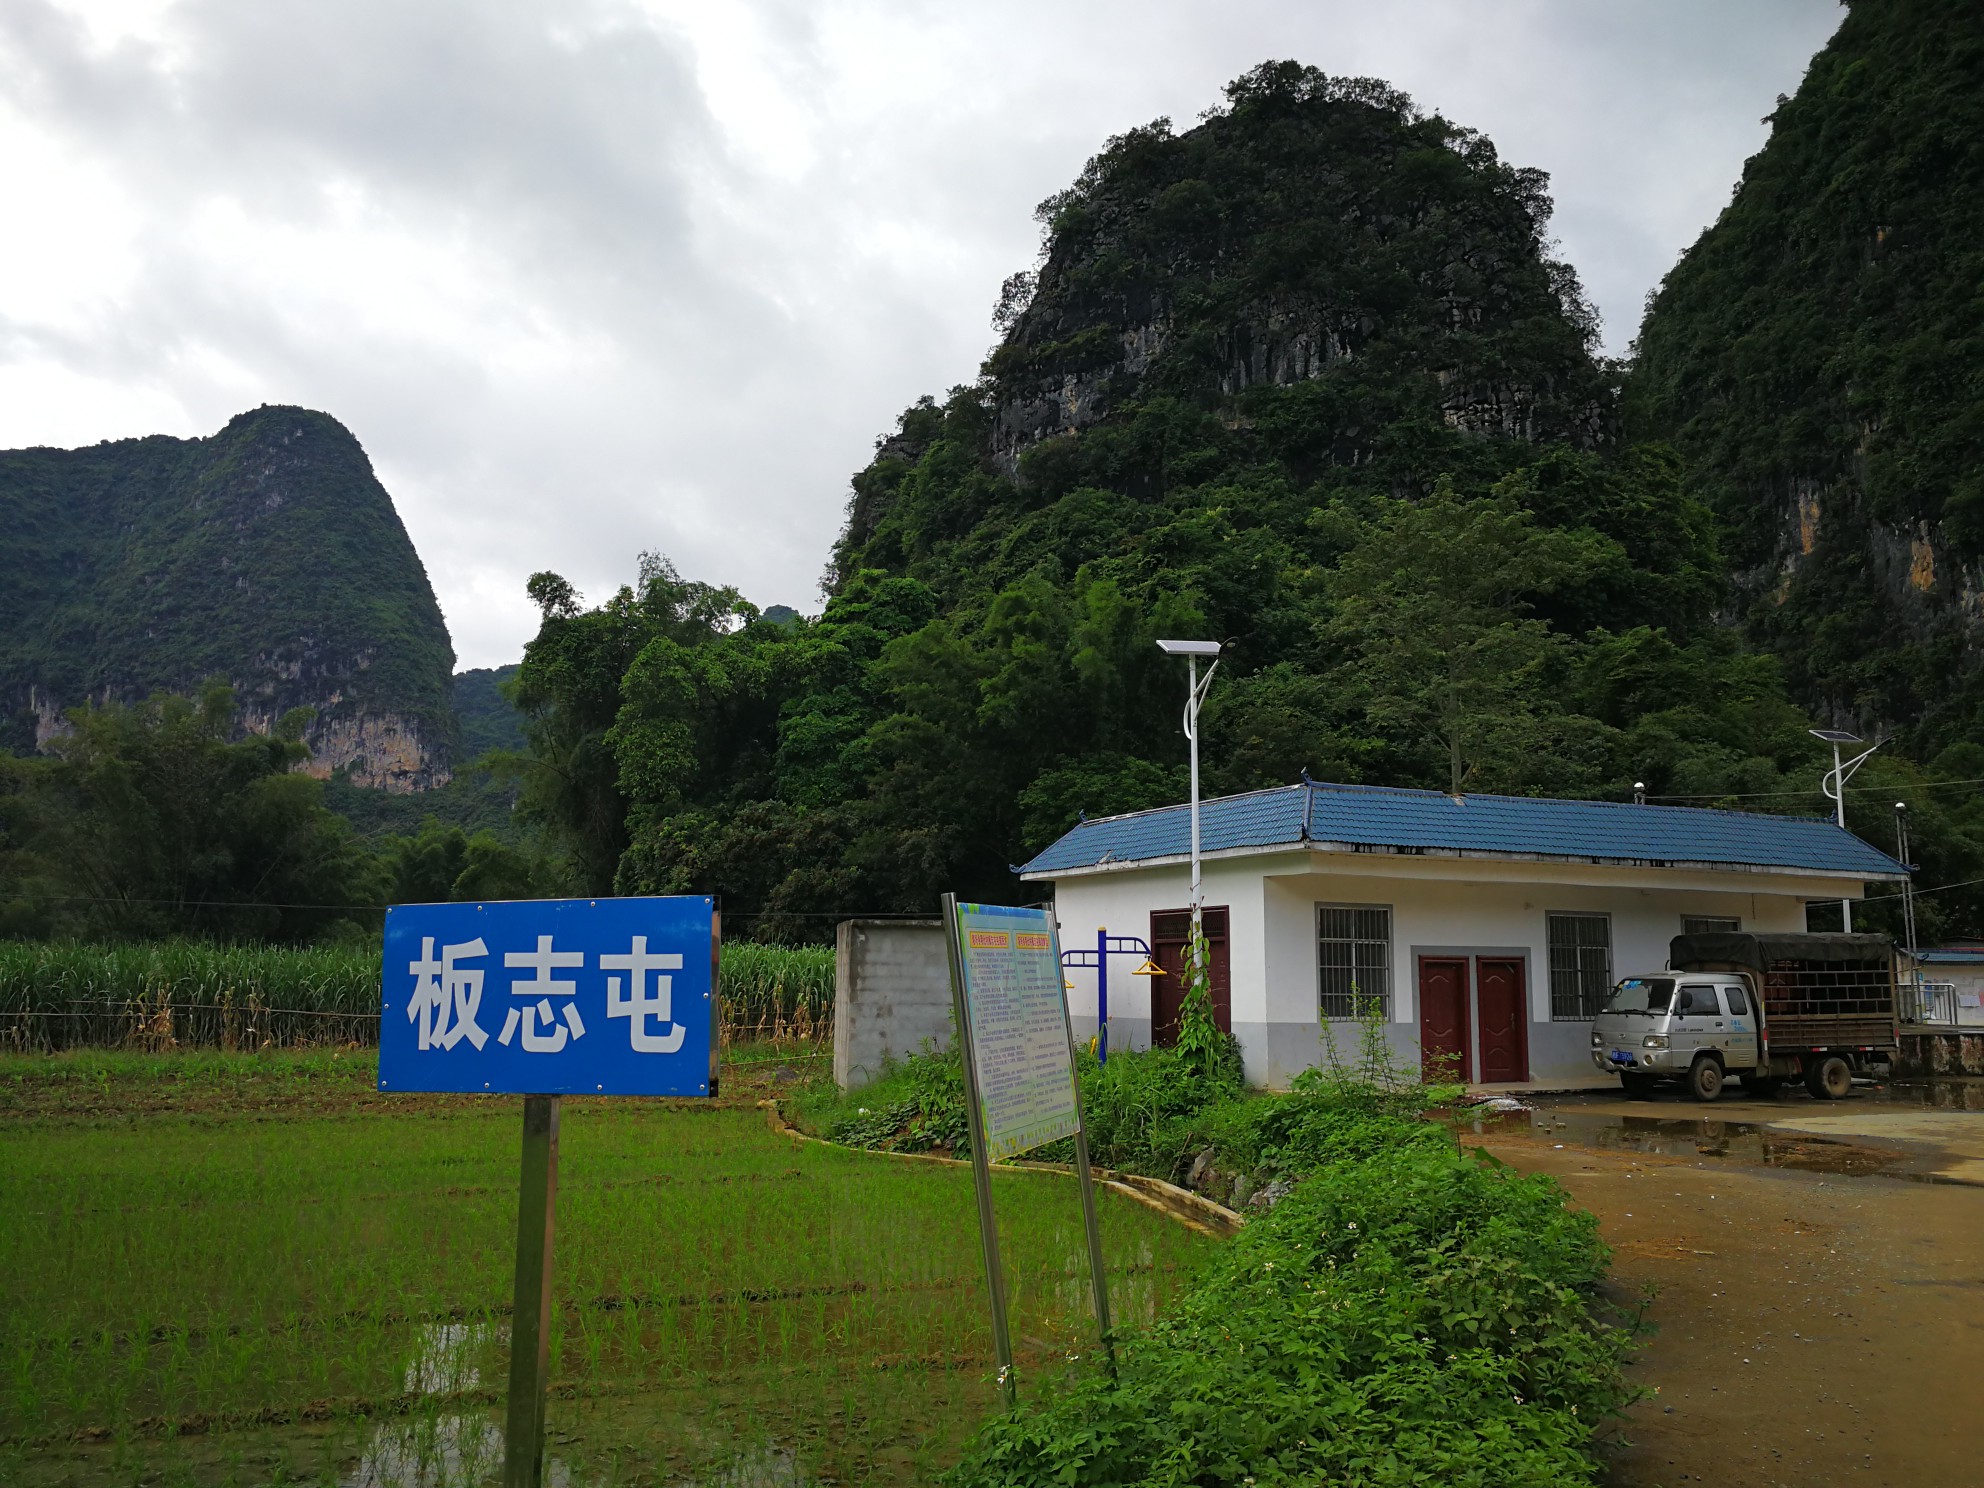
1017 1004
551 997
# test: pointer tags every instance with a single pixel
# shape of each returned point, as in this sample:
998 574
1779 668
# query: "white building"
1489 927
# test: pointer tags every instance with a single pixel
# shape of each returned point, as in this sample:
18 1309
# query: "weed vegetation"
1396 1311
256 1268
1410 1316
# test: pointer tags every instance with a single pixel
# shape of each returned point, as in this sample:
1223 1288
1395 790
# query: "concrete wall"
1438 906
1949 1053
892 995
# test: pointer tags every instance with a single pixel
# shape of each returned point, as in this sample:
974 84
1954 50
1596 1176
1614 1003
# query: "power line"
1857 790
1964 884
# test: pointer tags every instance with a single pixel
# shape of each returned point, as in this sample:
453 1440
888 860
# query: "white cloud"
592 278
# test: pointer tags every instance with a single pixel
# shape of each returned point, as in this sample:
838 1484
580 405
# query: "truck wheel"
1705 1078
1638 1087
1829 1079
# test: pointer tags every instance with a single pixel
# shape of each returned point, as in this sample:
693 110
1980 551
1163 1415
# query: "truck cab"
1695 1027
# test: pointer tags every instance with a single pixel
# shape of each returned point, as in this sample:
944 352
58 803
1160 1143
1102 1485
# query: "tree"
1432 615
149 821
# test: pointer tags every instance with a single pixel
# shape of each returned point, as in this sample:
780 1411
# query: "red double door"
1458 993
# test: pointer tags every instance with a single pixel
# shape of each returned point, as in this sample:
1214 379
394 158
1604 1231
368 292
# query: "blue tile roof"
1375 818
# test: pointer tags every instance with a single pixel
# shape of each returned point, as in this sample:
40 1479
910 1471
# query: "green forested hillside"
1303 378
267 555
483 711
1818 357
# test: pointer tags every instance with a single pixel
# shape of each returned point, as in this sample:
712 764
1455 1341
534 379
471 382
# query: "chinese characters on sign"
550 997
1014 996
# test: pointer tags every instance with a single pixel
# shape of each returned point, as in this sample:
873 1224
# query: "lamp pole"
1834 787
1195 691
1192 735
1907 884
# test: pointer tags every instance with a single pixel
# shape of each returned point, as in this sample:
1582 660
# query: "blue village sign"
551 997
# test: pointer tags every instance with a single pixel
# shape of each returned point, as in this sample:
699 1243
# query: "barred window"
1354 959
1709 925
1580 964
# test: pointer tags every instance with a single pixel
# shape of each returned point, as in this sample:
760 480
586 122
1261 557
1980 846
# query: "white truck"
1765 1008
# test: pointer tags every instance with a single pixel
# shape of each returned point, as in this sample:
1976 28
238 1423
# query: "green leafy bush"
916 1104
1413 1316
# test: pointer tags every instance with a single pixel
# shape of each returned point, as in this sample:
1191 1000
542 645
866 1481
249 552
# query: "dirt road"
1820 1291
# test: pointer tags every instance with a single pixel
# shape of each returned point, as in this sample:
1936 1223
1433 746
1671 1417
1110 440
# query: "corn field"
189 994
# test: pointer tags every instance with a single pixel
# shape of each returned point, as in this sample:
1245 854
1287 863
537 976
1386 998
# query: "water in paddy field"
440 1451
460 1449
1926 1131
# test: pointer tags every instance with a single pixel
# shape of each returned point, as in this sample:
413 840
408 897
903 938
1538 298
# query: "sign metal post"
530 1319
1018 1051
981 1165
545 998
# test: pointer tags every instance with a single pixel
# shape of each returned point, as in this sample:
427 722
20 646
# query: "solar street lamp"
1907 884
1195 693
1834 786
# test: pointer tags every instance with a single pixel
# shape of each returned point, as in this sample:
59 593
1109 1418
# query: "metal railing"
1931 1004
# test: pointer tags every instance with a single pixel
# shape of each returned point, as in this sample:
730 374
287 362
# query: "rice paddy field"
252 1268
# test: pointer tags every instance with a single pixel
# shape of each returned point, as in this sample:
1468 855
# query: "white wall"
1438 905
1123 903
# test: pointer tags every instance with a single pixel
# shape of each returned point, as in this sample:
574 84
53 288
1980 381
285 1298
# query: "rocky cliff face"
1818 355
267 556
1318 279
1318 231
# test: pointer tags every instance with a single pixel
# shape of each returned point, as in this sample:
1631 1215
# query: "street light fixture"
1195 694
1834 787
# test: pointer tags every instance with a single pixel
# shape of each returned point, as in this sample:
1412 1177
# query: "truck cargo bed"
1818 991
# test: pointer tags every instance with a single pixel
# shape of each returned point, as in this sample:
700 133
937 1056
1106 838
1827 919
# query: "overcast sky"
592 278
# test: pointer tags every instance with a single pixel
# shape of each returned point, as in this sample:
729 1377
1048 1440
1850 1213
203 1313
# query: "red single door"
1170 933
1443 1017
1504 1019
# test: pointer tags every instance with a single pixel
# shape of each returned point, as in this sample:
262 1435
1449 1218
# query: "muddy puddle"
1927 1131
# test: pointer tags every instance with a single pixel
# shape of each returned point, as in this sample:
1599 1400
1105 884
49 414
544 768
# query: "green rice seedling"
282 1256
